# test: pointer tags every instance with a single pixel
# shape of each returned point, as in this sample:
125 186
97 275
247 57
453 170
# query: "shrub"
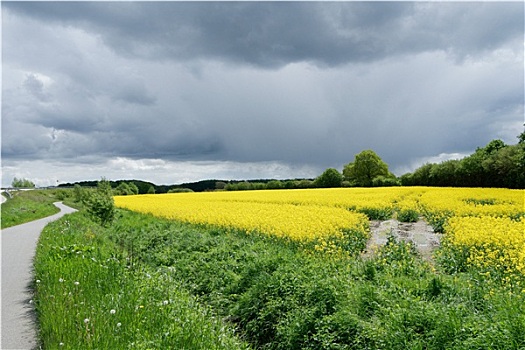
79 194
377 213
62 194
400 256
100 204
407 215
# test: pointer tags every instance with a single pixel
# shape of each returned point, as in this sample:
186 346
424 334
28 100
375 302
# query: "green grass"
90 295
27 206
179 286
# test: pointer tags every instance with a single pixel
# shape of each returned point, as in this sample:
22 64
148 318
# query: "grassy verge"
91 295
27 206
151 283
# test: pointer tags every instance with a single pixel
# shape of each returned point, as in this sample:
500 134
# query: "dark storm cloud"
279 85
274 34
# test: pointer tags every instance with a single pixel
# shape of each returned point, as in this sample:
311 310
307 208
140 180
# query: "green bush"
400 257
79 194
377 213
408 215
100 204
62 194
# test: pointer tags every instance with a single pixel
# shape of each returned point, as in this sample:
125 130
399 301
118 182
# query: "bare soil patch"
420 233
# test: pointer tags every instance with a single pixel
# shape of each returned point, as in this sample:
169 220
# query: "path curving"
18 328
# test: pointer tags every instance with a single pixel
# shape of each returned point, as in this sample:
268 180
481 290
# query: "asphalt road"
18 249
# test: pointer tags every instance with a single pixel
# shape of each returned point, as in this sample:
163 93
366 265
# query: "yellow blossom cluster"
493 243
297 222
474 202
470 214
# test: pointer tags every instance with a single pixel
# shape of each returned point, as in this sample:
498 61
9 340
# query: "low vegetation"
147 282
285 269
92 294
25 206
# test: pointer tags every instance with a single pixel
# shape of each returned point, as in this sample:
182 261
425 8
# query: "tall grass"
153 283
90 295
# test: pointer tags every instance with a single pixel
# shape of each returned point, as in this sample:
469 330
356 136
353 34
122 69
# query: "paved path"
18 250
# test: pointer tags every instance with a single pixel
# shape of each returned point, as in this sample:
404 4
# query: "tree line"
495 165
22 183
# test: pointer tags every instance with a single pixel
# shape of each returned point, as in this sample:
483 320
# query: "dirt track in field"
420 233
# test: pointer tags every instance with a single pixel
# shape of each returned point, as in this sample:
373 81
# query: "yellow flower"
489 221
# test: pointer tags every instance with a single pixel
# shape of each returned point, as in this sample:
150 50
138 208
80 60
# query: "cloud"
305 85
166 172
416 163
272 34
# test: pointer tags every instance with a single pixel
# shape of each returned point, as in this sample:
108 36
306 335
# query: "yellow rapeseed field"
476 218
282 219
497 242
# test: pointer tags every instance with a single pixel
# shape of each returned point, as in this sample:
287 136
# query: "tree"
367 165
385 181
305 183
22 183
495 165
329 178
521 138
126 188
444 174
220 185
274 185
79 194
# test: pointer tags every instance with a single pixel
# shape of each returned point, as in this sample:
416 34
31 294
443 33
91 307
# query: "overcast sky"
171 92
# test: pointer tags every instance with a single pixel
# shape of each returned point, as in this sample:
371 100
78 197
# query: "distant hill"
143 186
